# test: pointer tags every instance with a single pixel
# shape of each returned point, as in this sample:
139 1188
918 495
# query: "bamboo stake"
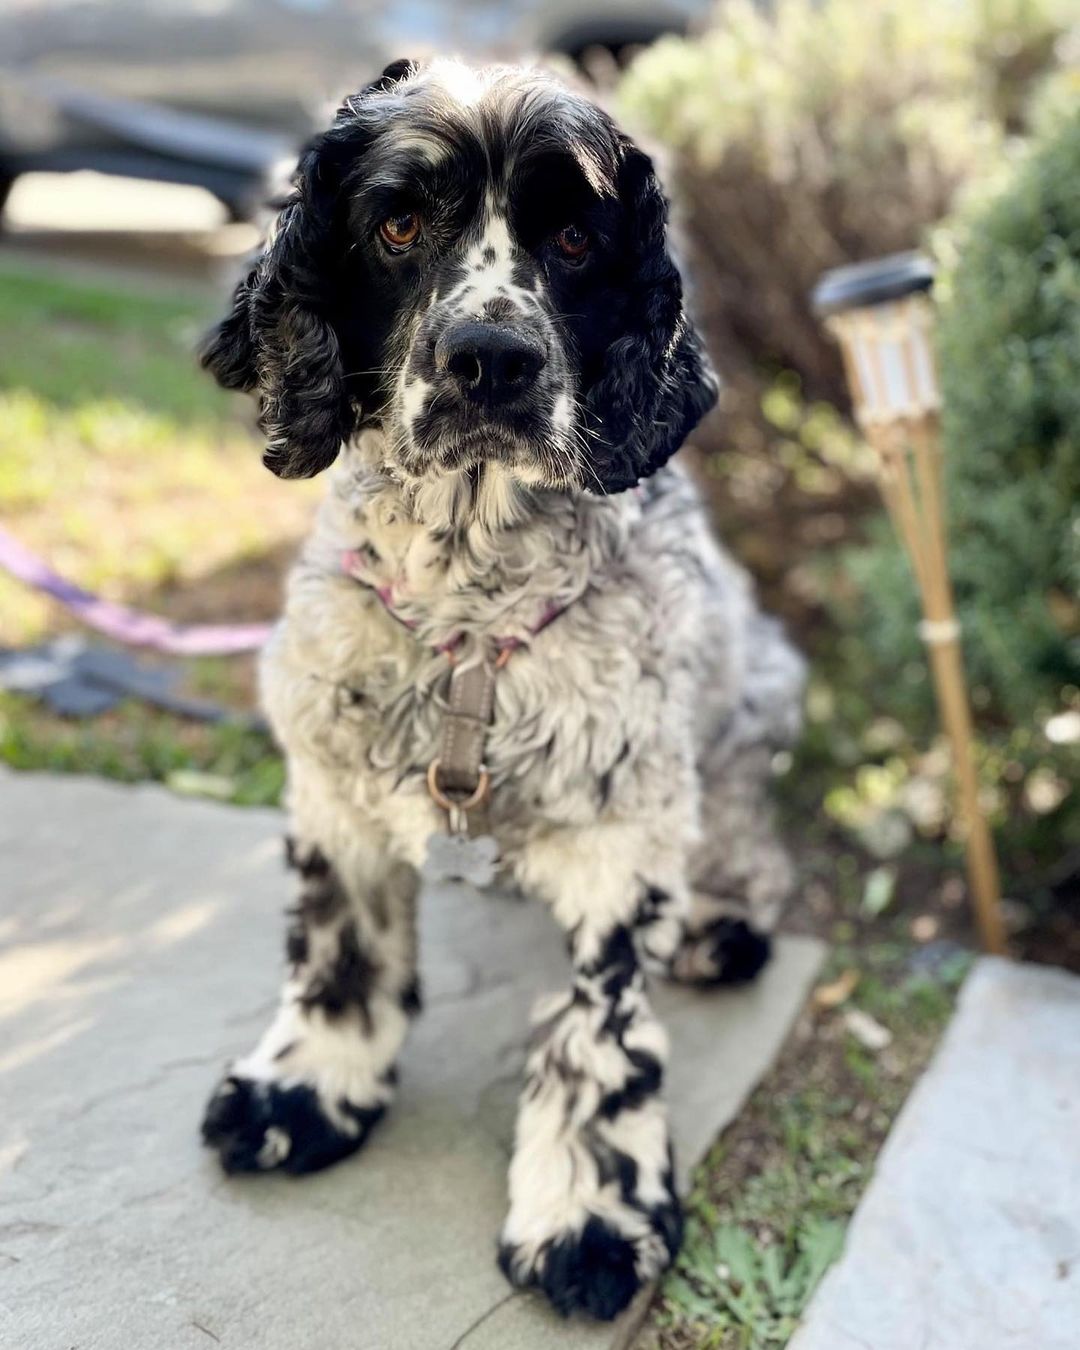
947 666
920 523
895 479
882 318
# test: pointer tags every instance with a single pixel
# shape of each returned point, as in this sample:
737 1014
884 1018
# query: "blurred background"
134 143
799 135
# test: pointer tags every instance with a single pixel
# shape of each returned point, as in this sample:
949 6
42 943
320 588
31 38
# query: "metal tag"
459 857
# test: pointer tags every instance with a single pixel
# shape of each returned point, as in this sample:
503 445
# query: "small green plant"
769 1210
760 1290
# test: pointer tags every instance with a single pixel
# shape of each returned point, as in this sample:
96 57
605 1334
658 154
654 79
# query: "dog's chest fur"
594 714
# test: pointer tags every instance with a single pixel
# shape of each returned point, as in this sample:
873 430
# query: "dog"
468 306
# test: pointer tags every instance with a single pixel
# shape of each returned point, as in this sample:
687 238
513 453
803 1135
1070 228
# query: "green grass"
73 342
128 470
770 1205
135 743
122 463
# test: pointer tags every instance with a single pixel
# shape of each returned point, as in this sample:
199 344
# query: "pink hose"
123 624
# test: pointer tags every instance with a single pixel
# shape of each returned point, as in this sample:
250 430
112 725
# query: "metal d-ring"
448 803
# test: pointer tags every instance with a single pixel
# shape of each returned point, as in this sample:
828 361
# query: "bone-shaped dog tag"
459 857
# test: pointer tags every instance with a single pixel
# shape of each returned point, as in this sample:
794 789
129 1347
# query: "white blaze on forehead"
495 238
489 272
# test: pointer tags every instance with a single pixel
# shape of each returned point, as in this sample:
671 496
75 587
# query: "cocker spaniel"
511 602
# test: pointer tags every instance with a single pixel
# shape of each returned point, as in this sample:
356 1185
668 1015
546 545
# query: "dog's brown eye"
401 231
573 242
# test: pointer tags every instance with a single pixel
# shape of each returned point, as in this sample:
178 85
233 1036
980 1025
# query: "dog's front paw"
599 1267
258 1126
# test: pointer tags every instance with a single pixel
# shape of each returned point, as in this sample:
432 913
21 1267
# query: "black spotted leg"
323 1073
593 1214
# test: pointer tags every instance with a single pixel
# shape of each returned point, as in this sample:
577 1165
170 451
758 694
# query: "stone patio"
969 1235
139 949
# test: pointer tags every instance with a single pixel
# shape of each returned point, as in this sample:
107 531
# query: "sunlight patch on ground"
35 969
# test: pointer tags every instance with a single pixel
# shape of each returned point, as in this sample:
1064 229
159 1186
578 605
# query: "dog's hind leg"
593 1213
740 872
323 1072
740 877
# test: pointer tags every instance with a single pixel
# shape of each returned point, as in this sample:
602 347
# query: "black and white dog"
468 302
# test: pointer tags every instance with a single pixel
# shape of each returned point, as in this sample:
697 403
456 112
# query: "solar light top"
872 283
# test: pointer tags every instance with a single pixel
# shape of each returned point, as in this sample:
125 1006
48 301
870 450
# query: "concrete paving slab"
968 1238
139 949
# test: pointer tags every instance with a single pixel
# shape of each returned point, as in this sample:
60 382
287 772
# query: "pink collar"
352 564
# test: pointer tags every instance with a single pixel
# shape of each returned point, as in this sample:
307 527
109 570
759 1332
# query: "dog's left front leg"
593 1212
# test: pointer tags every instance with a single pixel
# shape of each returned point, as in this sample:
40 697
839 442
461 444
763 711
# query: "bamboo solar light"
881 315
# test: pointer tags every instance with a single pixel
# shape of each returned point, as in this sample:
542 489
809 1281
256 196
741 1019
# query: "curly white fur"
659 665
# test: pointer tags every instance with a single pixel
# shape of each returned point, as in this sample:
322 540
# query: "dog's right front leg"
593 1212
323 1072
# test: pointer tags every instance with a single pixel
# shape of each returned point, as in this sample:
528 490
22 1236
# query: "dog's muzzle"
490 366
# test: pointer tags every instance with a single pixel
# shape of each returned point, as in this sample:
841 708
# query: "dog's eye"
400 232
573 242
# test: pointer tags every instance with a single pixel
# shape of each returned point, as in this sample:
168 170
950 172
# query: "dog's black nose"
491 363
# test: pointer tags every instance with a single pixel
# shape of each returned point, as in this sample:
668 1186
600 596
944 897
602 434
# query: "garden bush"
1009 351
1009 338
817 132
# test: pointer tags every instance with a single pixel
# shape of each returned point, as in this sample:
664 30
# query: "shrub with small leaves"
809 133
1009 339
1009 345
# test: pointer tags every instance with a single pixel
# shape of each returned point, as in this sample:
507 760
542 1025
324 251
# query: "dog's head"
475 261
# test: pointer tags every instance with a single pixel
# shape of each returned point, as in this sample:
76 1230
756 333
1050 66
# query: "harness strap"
457 779
465 725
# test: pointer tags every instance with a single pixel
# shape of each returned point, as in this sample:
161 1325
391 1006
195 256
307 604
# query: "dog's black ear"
656 383
228 350
278 340
394 73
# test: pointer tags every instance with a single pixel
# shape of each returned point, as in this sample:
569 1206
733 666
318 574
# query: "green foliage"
1008 342
814 132
1009 338
1013 43
759 1290
137 743
769 79
885 781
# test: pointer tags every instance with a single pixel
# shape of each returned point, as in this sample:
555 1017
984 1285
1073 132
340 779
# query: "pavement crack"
259 1014
19 1228
125 1090
205 1331
482 1319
